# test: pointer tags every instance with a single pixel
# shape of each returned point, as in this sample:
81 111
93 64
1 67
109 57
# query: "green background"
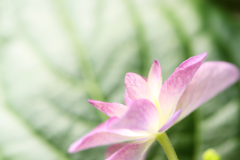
56 54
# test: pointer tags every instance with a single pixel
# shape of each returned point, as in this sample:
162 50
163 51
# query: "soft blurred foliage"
56 54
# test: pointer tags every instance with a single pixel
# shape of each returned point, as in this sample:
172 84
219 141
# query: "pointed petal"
128 101
134 151
137 87
141 116
176 84
171 121
110 109
210 79
155 79
102 136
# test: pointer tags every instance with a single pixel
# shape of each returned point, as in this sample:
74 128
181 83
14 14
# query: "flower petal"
155 79
210 79
102 136
176 84
137 87
128 101
114 148
110 109
141 116
171 121
134 151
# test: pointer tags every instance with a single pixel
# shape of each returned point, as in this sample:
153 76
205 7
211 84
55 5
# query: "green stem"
167 146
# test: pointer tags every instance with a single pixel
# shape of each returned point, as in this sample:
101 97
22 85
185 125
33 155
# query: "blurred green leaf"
54 55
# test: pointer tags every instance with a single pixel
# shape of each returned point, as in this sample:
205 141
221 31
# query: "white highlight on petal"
155 79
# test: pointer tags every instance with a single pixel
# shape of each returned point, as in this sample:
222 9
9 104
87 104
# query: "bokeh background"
56 54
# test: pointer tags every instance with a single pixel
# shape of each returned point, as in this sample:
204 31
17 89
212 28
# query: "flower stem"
167 146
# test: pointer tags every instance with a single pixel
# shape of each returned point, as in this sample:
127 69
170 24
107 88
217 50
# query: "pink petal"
128 101
171 121
134 151
113 148
137 87
155 79
102 136
210 79
141 116
110 109
176 84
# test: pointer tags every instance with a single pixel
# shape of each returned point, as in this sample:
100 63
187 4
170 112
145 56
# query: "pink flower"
152 108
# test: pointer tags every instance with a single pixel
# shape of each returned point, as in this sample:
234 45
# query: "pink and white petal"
134 151
128 101
137 87
114 148
110 109
141 116
176 84
102 136
210 79
171 121
155 79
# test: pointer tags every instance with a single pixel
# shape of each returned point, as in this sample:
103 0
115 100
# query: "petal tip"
195 60
200 57
92 102
204 54
156 64
127 77
235 73
233 70
156 61
128 74
72 149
